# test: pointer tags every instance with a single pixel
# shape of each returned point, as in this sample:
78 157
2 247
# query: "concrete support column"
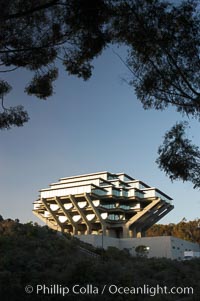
134 233
53 214
131 233
81 213
67 214
107 232
125 231
139 233
75 231
97 214
88 230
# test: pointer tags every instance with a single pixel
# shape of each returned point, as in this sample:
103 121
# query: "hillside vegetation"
185 230
35 255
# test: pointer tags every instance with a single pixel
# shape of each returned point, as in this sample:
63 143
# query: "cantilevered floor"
115 205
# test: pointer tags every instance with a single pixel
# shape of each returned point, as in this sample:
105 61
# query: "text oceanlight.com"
111 289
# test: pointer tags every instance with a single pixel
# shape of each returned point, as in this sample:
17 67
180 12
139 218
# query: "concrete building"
188 255
113 205
106 209
159 247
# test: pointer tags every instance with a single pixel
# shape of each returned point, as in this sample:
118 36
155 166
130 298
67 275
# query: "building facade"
107 204
158 246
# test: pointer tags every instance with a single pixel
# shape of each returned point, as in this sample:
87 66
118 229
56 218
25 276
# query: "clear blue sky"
87 127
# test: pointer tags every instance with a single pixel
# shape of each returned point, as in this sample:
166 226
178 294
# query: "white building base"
160 246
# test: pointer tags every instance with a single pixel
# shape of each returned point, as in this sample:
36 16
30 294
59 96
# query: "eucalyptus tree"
163 56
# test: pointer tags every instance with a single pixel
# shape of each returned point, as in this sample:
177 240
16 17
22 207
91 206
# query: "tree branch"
165 79
2 104
121 59
180 72
30 11
10 70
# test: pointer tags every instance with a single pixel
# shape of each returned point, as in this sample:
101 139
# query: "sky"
86 127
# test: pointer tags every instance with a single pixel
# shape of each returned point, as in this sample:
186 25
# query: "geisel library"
107 209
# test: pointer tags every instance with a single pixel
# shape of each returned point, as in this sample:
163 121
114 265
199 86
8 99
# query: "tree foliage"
178 157
187 230
164 54
142 250
32 255
36 34
10 116
162 38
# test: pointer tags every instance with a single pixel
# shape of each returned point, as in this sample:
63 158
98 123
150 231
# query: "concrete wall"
160 246
179 246
99 241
